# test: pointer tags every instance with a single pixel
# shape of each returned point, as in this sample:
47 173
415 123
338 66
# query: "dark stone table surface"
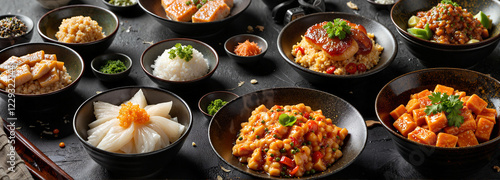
137 30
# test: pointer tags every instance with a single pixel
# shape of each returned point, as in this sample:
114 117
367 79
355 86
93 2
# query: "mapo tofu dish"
445 117
289 141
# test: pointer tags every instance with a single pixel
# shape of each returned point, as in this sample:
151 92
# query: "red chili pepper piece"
287 161
361 68
330 69
313 126
317 156
299 48
351 68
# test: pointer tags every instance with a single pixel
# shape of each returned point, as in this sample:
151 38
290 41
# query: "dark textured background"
378 160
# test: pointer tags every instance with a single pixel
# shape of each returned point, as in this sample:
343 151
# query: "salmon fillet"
212 11
180 11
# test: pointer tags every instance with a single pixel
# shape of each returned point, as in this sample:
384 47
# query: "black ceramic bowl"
232 42
155 9
226 123
72 61
6 42
439 161
48 25
101 60
291 35
141 165
149 56
51 4
433 54
206 99
120 9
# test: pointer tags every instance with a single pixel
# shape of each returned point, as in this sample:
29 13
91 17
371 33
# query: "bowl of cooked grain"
61 26
369 48
457 39
168 64
51 79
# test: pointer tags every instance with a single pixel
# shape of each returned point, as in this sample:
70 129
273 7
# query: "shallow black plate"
227 122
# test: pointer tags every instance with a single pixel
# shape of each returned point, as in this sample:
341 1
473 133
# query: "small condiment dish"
6 42
206 99
117 8
381 5
101 60
231 43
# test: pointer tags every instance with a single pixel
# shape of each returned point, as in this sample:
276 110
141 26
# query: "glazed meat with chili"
289 141
339 47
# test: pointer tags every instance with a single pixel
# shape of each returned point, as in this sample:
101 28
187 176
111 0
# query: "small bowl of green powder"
111 67
120 5
211 102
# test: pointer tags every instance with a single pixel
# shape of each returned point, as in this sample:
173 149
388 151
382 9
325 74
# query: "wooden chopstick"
39 165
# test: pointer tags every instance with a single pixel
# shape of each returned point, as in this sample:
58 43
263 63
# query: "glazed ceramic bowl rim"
150 74
263 51
100 151
379 66
380 4
320 175
482 43
30 29
127 58
112 5
399 136
78 6
213 92
440 48
212 22
73 82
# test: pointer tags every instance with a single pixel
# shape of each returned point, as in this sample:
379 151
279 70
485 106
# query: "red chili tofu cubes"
413 122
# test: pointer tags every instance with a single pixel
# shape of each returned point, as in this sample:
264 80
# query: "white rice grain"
178 69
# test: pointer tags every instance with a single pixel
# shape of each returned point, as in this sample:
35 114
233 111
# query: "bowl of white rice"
179 63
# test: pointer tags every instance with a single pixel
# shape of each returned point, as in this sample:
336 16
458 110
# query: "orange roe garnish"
132 113
247 48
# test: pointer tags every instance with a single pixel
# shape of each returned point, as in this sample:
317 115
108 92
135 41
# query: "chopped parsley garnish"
449 2
113 67
215 105
184 52
339 28
286 120
449 104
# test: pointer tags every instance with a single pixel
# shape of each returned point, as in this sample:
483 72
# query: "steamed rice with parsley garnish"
180 63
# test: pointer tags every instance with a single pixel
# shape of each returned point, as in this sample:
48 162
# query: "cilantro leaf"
339 28
287 120
451 105
449 2
184 52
